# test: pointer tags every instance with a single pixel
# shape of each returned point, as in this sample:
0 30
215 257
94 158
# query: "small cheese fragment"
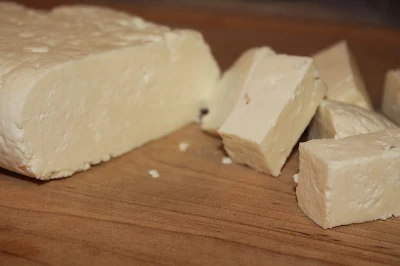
80 85
224 97
183 146
226 160
338 120
351 180
278 103
296 178
154 173
338 69
391 96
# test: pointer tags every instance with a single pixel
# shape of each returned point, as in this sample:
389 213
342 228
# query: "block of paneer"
224 97
80 85
279 102
391 96
350 180
338 69
338 120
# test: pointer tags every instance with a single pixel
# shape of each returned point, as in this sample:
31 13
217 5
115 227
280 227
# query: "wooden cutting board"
200 211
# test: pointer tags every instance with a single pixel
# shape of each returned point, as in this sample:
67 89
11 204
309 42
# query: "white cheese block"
80 85
339 71
351 180
280 99
233 83
338 120
391 96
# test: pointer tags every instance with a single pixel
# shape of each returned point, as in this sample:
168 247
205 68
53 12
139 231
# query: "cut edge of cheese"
312 201
391 96
224 97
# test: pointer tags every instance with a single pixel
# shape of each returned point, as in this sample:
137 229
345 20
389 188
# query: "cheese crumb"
154 173
226 160
296 178
183 146
337 137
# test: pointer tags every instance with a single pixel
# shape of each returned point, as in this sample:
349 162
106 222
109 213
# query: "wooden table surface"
199 212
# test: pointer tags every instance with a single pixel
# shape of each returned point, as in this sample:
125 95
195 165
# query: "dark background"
371 12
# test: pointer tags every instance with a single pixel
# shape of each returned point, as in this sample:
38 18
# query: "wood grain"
200 211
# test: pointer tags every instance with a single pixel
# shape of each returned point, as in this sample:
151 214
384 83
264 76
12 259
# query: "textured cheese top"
348 119
40 39
359 146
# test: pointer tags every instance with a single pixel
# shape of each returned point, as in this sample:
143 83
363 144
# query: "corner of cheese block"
246 152
339 70
283 93
224 96
391 96
311 190
14 154
74 104
361 178
321 126
341 45
338 120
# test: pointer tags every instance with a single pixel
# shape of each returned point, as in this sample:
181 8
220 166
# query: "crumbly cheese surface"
80 85
279 101
338 120
338 69
391 96
233 83
351 180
